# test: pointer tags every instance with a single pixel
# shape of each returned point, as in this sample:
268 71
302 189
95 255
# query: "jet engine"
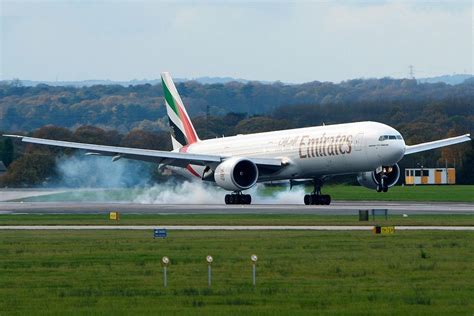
373 179
236 174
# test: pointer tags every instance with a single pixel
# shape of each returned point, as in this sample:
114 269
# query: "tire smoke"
194 192
98 173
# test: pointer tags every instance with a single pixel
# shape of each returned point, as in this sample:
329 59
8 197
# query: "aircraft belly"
191 172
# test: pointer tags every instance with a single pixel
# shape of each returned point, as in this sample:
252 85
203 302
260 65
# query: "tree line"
141 106
135 116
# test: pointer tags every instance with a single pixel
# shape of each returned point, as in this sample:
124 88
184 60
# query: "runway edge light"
209 261
165 261
254 259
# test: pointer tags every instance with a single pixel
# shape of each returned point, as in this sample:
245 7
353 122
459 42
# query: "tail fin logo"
182 130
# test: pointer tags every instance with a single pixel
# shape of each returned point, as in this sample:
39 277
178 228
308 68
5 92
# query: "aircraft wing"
437 144
172 158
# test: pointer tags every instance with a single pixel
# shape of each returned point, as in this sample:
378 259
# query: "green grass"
118 272
451 193
446 193
233 219
436 193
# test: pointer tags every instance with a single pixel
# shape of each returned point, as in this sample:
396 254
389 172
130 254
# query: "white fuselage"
313 151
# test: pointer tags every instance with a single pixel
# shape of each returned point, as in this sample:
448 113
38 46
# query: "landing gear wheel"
385 189
315 199
238 198
326 199
247 199
379 188
307 199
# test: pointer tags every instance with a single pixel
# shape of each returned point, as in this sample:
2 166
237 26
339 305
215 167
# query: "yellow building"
417 176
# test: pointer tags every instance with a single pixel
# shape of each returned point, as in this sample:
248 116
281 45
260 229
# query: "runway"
336 208
234 228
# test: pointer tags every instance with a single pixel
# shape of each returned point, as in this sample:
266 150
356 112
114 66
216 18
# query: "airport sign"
160 233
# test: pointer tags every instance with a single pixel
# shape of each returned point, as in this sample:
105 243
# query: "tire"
385 189
327 200
306 200
248 199
379 188
226 199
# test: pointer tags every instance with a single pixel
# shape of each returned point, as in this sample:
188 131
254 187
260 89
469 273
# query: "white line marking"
204 227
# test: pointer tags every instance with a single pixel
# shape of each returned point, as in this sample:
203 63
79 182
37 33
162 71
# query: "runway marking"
337 208
205 227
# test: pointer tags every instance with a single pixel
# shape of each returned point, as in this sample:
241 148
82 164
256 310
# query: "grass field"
455 193
438 193
451 193
118 272
233 219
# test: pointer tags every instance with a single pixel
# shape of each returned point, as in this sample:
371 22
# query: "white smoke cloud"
80 171
94 172
193 192
181 193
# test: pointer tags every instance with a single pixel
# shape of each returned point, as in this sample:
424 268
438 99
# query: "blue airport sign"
159 233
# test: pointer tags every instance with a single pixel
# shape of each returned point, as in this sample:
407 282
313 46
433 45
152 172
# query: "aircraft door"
358 142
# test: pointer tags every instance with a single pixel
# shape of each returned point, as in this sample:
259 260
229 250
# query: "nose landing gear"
238 198
316 198
382 186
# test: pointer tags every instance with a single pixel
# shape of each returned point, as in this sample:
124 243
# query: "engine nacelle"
372 179
236 174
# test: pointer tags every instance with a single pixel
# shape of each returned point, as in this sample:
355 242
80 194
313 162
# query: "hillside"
134 116
25 108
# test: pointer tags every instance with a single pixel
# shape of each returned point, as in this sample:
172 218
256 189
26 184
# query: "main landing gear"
316 198
238 198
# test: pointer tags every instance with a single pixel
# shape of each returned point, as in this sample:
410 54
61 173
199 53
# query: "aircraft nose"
397 151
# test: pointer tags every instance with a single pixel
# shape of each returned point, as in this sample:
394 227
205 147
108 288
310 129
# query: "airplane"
370 150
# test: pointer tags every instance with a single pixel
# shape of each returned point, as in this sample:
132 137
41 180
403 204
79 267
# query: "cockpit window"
387 137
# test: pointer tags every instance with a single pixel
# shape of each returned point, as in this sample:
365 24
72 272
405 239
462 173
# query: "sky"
289 41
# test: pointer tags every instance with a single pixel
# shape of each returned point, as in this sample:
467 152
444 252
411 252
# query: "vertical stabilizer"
182 130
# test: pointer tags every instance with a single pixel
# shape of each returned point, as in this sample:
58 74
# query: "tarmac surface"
336 208
206 227
14 194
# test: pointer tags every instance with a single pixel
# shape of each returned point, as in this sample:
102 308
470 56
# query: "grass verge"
118 272
233 219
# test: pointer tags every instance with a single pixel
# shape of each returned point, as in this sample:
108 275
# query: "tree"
95 135
259 124
6 151
32 168
146 140
466 175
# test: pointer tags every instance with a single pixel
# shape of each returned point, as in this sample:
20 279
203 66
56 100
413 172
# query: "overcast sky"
259 40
